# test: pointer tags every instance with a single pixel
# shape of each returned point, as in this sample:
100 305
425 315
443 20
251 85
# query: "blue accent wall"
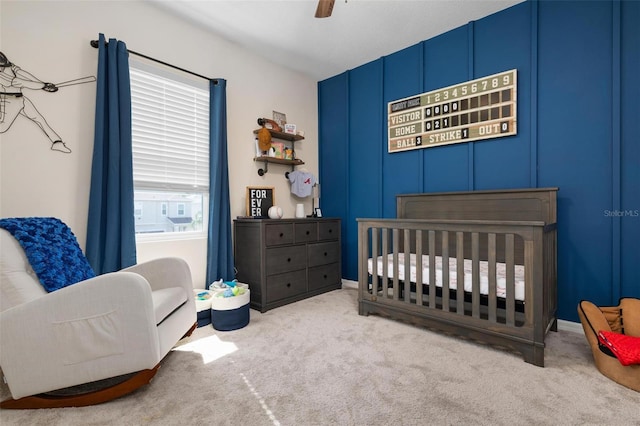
402 78
446 168
578 118
628 233
334 151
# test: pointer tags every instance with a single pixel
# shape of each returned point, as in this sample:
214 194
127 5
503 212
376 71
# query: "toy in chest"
229 305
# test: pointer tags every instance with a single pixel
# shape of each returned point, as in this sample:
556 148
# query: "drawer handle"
325 253
330 231
281 235
288 259
325 276
288 284
308 232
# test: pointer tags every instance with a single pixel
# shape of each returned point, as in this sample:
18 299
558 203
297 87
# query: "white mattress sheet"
453 275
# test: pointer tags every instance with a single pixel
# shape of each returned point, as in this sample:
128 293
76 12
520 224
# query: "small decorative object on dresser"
275 212
287 260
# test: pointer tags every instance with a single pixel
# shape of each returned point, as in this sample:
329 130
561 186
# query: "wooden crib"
500 246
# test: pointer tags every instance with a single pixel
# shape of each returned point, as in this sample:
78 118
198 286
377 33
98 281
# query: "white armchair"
116 324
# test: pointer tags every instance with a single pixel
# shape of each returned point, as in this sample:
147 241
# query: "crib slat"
419 267
475 275
491 247
407 265
396 269
375 278
363 251
510 278
432 269
445 271
385 263
460 272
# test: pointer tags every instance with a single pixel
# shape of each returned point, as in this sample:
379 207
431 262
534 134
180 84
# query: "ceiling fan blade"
325 7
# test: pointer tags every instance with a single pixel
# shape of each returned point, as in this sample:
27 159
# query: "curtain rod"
94 43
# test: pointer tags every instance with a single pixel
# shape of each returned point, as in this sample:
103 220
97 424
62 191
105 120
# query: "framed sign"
259 200
478 109
280 118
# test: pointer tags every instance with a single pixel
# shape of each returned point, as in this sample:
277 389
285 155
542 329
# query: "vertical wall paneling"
630 149
446 62
533 152
365 140
615 149
402 77
333 107
574 143
501 42
470 76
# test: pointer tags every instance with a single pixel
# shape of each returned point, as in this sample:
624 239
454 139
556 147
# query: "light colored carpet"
317 362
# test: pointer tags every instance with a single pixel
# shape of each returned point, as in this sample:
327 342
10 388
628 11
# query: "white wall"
50 39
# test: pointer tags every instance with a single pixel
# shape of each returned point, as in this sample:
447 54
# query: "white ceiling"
357 32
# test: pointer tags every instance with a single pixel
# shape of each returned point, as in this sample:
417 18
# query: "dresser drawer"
286 285
306 232
278 234
323 253
324 276
328 230
285 259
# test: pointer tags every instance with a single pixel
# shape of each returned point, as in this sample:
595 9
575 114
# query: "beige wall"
50 39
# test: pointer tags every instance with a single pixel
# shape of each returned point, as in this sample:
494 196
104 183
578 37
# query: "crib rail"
510 242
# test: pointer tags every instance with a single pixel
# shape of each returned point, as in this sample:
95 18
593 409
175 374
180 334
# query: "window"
170 132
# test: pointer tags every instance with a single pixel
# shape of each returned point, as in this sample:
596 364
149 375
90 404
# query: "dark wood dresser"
286 260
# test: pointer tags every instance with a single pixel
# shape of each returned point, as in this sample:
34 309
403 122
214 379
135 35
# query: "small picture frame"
318 212
280 118
290 128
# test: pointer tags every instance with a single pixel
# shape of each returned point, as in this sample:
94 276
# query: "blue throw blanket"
52 250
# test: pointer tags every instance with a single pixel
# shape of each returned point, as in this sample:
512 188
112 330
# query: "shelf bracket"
261 172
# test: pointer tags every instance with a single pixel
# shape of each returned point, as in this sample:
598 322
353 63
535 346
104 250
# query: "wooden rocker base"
51 400
44 400
190 331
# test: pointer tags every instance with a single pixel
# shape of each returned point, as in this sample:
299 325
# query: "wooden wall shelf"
284 136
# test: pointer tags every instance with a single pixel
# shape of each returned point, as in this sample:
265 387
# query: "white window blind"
170 131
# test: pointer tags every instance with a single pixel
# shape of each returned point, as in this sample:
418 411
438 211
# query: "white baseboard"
349 283
574 327
563 325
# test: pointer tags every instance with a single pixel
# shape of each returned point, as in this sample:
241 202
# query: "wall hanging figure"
14 103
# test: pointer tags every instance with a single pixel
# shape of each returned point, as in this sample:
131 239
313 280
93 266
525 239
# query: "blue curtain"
111 242
219 245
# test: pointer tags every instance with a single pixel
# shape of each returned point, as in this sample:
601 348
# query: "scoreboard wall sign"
478 109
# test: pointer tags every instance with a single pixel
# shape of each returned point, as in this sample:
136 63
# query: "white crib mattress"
453 275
